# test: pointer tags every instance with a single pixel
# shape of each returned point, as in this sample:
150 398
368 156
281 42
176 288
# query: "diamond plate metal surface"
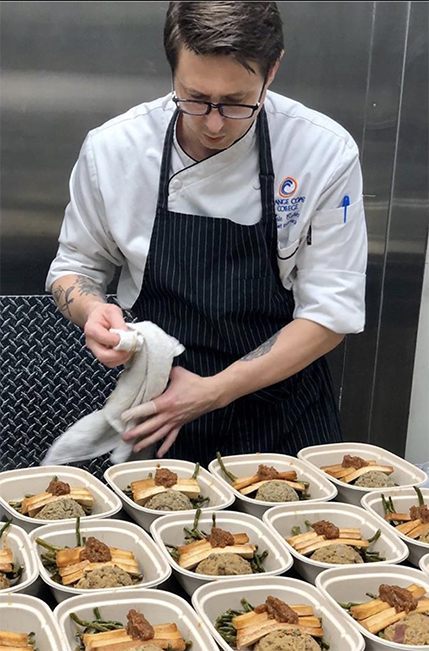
48 381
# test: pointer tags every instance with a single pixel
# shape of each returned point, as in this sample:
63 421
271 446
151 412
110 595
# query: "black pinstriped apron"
215 285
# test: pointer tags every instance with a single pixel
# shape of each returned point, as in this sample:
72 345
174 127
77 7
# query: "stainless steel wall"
69 66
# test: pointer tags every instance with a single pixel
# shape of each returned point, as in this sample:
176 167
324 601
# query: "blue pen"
345 204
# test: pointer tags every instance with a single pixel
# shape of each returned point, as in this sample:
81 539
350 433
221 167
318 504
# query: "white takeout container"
342 515
213 599
21 613
405 473
122 474
114 533
424 564
403 499
23 554
15 484
169 529
242 465
158 606
350 584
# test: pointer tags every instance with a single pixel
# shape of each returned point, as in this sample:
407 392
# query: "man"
236 215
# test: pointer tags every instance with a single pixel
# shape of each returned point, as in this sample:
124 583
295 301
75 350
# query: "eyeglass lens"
227 110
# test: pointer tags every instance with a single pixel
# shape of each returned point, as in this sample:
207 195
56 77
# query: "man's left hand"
187 397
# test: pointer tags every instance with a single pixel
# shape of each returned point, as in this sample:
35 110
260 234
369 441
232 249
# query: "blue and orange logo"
288 187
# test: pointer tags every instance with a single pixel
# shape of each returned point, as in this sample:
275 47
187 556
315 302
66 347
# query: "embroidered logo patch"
288 187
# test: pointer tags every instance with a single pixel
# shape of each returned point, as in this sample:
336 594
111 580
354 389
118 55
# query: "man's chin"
216 144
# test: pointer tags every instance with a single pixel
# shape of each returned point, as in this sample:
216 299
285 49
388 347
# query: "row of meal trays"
171 616
220 490
149 557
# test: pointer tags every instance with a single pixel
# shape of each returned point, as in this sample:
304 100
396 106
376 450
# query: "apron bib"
215 286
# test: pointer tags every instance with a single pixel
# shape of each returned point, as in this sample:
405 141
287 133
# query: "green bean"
198 502
16 505
296 531
419 495
257 560
128 492
52 548
196 471
173 551
3 529
386 505
375 537
226 472
196 519
247 607
98 624
348 605
78 538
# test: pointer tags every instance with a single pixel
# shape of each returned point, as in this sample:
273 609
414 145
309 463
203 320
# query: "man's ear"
273 71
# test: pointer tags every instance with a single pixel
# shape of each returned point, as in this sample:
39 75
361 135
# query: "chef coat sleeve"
329 285
86 246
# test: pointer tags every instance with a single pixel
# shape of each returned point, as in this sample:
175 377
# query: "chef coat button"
176 184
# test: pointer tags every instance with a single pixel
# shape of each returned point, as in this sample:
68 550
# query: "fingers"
149 440
146 428
97 331
168 442
109 357
116 318
141 411
98 338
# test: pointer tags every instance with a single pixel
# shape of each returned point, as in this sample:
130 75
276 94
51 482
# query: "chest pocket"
286 258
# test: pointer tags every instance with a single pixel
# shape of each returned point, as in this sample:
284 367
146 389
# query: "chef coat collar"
221 159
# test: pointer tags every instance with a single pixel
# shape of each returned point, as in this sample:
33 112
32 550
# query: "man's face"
214 79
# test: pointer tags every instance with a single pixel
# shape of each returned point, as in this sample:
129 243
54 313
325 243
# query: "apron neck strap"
266 172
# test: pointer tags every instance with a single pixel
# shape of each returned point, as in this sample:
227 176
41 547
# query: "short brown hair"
247 31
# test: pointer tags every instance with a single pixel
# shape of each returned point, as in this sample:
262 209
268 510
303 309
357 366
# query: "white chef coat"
114 189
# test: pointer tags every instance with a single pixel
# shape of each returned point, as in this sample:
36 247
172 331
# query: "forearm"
290 350
76 296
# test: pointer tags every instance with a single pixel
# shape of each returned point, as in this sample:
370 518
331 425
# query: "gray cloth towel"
144 377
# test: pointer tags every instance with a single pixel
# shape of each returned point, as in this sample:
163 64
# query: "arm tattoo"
263 349
89 288
63 300
85 286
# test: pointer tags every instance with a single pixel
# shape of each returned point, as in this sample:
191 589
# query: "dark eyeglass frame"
219 106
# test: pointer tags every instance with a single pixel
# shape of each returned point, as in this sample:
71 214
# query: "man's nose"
214 121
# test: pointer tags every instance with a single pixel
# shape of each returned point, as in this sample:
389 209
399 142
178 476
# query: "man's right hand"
83 302
99 340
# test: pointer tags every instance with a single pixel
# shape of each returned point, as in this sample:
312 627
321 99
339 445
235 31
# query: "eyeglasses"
231 111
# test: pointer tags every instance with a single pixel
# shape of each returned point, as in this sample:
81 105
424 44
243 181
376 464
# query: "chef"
235 215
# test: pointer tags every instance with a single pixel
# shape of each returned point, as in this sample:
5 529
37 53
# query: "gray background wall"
69 66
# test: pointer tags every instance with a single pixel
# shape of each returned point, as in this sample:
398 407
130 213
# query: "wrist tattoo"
63 300
263 349
88 287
